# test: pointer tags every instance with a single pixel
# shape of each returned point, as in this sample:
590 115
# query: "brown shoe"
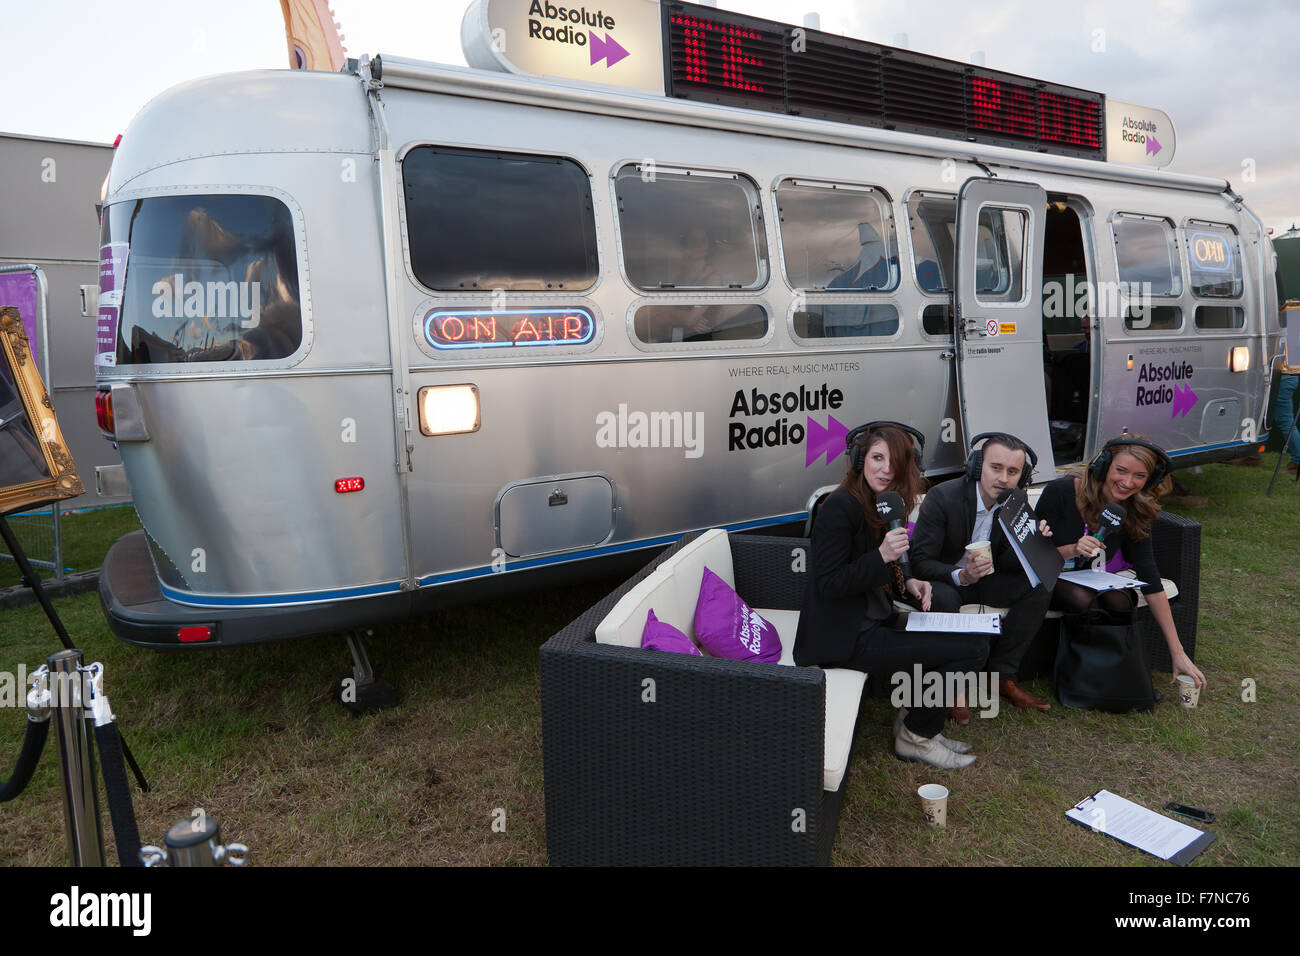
1021 698
959 713
1291 468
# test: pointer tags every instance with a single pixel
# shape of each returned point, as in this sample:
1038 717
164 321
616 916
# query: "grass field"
251 736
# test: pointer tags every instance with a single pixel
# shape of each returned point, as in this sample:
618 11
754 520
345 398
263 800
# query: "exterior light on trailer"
344 485
1240 360
1130 363
104 411
449 409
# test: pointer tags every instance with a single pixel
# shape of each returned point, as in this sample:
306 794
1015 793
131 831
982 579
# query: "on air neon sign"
506 328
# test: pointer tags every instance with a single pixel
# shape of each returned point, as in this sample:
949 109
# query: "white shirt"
981 532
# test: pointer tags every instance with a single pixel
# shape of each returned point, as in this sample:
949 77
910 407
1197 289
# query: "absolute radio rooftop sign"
615 42
690 51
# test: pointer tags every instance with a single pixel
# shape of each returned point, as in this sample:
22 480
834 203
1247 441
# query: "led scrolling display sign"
727 58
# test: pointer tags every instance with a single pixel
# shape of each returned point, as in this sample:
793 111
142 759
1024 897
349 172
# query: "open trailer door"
999 301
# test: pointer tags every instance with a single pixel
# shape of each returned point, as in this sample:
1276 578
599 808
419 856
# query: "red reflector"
344 485
1262 449
188 635
118 140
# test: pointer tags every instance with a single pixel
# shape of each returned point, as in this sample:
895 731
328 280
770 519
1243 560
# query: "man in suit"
957 513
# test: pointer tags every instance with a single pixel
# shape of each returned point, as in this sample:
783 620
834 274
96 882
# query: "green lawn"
251 736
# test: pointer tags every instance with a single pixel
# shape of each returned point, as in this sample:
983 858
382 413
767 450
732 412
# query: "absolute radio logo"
792 425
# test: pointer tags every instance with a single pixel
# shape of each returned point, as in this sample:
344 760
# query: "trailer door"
999 330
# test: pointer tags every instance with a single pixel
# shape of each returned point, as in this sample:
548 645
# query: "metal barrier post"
76 760
194 842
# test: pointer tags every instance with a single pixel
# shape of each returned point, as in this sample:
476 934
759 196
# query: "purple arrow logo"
1184 400
606 49
829 440
1153 144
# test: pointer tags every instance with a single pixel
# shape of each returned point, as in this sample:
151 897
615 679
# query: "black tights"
1067 596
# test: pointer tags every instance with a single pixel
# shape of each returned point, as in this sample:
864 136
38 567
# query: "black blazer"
943 529
846 585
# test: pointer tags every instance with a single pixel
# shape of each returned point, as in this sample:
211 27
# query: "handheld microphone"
889 506
1112 516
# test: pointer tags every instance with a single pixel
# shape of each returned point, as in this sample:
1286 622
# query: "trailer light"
344 485
104 411
449 409
1240 360
191 635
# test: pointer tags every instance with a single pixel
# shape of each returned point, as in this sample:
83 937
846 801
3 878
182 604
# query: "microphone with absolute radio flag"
889 506
1112 516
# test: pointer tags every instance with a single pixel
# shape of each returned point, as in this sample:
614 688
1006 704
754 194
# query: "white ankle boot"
910 746
956 746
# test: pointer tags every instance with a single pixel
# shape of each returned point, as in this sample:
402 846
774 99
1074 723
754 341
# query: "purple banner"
112 277
19 290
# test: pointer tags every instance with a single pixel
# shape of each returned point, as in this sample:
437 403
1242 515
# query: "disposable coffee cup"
982 549
1188 692
934 804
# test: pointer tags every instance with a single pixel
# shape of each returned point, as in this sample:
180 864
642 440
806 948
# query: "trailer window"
842 320
211 278
684 229
1220 317
1214 257
999 255
933 224
486 220
1153 318
659 324
1146 253
837 237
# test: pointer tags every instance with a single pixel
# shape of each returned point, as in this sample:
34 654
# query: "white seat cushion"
843 696
625 623
1171 589
712 550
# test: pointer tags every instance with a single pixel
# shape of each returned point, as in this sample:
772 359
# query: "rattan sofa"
719 768
723 767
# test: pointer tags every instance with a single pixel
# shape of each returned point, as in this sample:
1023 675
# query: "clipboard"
1128 822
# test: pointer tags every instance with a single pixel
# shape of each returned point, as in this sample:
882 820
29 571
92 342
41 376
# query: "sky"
1224 72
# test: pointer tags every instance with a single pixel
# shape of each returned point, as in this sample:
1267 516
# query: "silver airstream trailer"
374 339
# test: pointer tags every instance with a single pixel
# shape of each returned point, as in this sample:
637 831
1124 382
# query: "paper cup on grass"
1188 692
983 549
934 804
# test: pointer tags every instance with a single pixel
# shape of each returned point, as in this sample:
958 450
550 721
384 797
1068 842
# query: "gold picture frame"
35 466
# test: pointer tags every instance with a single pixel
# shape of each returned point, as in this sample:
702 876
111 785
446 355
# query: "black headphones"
975 460
1101 464
858 456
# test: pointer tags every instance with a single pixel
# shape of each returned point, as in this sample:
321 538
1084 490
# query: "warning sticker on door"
991 326
1007 328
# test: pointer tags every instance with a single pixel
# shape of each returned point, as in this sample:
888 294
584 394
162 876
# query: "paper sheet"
1137 826
957 623
1100 580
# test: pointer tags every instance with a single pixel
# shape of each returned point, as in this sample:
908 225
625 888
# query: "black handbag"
1100 665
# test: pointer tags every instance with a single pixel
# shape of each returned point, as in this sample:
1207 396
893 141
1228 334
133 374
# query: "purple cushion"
659 636
727 627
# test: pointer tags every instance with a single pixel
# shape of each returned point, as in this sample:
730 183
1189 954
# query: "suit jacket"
846 585
943 529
